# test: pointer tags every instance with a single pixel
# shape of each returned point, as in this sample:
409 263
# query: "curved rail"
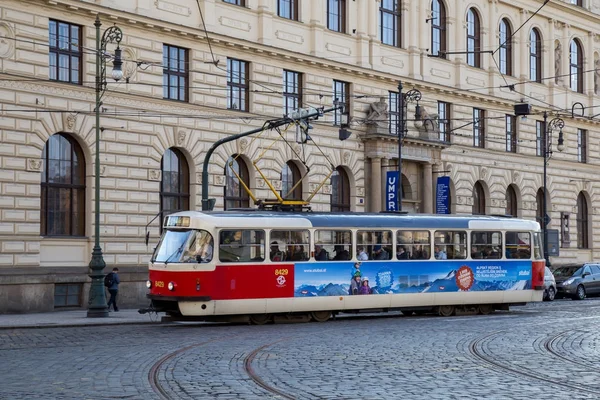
257 379
476 349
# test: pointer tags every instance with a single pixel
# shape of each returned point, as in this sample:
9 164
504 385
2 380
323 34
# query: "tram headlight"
148 284
171 286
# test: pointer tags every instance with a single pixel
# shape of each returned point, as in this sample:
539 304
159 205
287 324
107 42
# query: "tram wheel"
485 309
407 313
260 319
320 316
446 311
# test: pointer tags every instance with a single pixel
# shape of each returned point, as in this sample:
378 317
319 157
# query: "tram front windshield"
180 246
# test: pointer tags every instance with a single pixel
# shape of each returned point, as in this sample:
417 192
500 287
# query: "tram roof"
365 220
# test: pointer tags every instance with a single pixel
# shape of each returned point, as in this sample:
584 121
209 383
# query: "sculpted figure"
378 113
557 61
597 77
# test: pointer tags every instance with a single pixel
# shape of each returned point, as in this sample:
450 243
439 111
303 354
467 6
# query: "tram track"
257 379
550 345
476 348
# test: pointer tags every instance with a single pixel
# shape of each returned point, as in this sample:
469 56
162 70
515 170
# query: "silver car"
549 285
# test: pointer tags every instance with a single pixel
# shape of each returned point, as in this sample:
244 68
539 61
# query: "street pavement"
542 350
76 318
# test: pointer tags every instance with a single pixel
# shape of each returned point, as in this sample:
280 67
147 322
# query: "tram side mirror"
147 237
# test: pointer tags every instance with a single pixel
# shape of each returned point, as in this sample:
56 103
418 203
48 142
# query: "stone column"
427 202
375 185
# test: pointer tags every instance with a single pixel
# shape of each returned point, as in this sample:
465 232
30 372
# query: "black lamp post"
401 130
547 153
97 297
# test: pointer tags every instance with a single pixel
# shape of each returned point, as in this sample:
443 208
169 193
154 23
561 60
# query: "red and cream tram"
261 265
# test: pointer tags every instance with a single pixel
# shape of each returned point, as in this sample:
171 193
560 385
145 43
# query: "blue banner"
391 191
389 277
442 195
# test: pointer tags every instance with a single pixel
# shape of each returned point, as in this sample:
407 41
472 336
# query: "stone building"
195 72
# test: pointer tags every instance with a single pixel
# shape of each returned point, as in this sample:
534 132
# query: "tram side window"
450 245
242 246
333 245
518 245
486 245
289 245
374 245
537 246
413 245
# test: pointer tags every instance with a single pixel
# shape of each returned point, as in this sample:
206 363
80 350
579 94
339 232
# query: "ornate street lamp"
547 150
97 297
401 129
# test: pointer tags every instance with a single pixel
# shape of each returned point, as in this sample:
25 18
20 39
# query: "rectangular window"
333 245
175 73
336 15
486 245
289 246
582 145
236 2
237 85
374 245
518 245
242 246
413 245
288 9
444 121
511 133
341 93
450 245
292 91
394 112
67 295
389 19
540 143
478 128
64 52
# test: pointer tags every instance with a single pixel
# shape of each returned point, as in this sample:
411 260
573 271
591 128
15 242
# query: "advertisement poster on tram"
388 277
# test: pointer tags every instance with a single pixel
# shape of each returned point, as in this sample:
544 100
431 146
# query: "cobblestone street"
541 350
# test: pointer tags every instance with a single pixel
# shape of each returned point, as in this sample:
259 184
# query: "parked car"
577 281
549 285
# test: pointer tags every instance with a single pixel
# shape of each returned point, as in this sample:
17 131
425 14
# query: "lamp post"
547 152
401 130
97 297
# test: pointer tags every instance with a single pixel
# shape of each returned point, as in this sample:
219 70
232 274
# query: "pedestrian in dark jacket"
114 289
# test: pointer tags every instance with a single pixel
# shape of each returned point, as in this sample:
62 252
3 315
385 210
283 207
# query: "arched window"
535 56
438 28
582 222
473 39
539 199
511 201
62 188
576 66
478 199
290 175
235 194
505 49
340 190
175 183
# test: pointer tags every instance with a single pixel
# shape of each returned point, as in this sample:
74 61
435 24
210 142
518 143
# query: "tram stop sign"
547 219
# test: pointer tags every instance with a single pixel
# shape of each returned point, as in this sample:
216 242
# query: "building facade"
196 72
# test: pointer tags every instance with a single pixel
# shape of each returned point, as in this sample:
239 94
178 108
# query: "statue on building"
597 77
378 116
557 61
428 126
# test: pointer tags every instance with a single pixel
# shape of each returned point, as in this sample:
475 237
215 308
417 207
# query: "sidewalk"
76 318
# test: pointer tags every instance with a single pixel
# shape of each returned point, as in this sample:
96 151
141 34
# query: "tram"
259 266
